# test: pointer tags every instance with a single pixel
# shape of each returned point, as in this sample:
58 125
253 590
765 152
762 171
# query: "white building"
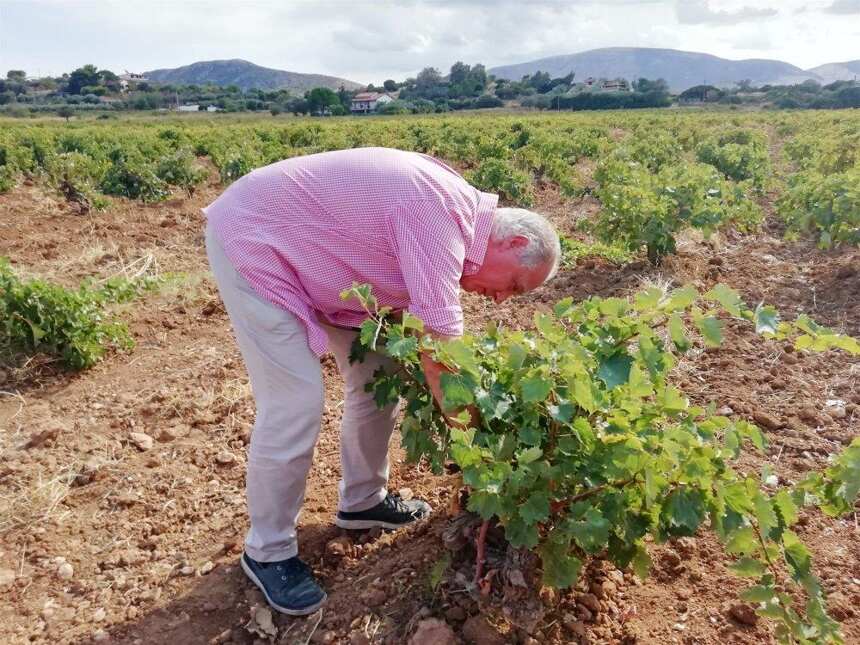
130 77
188 108
369 101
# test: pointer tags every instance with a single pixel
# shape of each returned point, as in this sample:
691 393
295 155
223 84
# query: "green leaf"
456 390
563 412
683 511
583 393
369 332
535 388
758 593
785 507
520 534
529 455
742 541
682 298
412 322
536 508
712 330
677 333
766 319
615 370
727 297
747 567
402 347
591 532
560 568
641 562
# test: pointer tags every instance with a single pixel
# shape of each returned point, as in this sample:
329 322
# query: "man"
283 242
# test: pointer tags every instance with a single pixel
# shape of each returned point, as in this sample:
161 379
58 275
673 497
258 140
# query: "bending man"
283 242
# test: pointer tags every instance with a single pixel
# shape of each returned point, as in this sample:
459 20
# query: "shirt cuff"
442 320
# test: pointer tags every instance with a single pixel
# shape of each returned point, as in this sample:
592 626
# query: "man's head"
523 252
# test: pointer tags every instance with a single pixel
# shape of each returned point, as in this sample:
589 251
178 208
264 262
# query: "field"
122 511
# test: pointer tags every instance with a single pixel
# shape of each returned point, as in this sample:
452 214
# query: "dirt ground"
107 537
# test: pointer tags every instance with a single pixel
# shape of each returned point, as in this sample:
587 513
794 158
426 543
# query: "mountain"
246 75
847 71
681 69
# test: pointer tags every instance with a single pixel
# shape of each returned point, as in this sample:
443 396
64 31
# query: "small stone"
142 441
743 614
374 597
339 548
455 614
767 421
405 494
575 627
99 614
590 601
187 571
479 631
725 411
679 627
100 636
771 480
225 458
65 571
205 568
432 631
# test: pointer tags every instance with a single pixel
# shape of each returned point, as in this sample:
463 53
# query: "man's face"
501 275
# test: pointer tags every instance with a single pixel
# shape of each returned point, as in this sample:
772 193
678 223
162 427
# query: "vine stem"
481 544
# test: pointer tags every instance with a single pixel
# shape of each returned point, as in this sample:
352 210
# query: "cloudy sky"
371 40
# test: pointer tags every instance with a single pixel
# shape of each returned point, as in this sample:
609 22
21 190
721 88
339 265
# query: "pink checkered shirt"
302 230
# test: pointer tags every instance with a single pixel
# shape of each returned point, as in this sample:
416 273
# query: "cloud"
699 12
843 7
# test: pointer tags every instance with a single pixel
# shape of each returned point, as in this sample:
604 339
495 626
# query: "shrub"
71 324
130 175
499 176
828 205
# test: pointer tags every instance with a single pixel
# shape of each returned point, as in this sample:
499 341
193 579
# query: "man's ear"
517 242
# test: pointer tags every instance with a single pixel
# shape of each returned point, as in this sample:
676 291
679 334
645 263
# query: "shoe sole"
289 612
372 524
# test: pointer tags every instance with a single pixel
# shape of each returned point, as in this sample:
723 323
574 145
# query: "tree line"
463 87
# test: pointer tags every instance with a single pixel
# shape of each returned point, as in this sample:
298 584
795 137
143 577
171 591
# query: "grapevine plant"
72 325
586 448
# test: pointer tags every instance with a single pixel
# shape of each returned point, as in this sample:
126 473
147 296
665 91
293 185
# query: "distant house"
368 101
188 108
615 85
213 108
591 84
125 80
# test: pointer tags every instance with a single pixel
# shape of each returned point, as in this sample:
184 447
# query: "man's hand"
433 372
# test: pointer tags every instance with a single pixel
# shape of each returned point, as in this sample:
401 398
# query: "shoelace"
396 504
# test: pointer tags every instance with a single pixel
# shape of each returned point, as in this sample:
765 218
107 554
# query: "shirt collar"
483 224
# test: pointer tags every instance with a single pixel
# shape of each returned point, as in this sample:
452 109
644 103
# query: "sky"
369 41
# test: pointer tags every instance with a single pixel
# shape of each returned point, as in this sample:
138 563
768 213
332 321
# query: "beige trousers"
286 380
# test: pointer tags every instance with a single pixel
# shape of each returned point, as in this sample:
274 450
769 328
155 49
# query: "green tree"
459 73
428 78
321 99
16 75
390 85
65 111
81 77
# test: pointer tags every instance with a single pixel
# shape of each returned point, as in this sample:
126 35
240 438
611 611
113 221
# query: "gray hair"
543 247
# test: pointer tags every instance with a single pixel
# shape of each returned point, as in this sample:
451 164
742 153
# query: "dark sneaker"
390 513
289 585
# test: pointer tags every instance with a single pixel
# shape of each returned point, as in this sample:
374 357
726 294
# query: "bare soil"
106 538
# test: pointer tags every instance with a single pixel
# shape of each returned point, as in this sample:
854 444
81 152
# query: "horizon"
398 39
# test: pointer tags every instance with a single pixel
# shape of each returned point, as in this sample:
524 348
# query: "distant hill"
681 69
847 71
246 75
